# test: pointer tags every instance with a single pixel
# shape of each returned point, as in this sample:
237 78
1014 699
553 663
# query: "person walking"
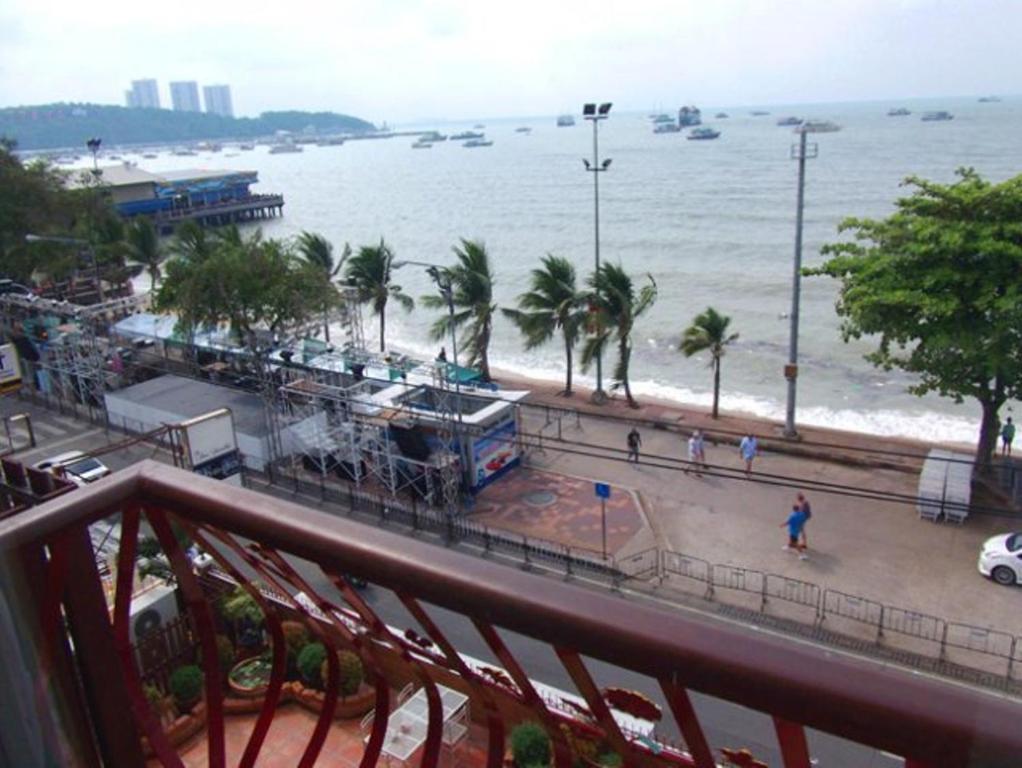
694 450
795 523
634 442
1007 435
748 448
807 510
700 451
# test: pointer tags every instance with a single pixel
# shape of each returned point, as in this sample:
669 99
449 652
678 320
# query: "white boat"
565 121
930 117
818 126
280 149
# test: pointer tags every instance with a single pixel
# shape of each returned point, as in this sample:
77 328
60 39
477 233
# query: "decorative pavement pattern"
558 508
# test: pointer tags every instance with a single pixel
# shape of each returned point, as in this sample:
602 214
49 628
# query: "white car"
1001 558
78 467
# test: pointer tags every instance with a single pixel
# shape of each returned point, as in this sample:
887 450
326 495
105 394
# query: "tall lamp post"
595 114
74 241
93 144
801 151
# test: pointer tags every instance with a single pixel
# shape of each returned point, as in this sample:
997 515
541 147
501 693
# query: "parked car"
78 467
1001 558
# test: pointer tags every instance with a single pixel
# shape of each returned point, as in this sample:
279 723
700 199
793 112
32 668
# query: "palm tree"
191 242
369 271
319 252
709 332
472 295
553 302
616 306
144 247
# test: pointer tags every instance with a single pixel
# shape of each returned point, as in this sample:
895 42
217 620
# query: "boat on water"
478 143
759 113
662 119
150 156
432 136
818 126
703 133
478 126
899 112
988 99
246 147
930 117
523 129
667 128
466 136
784 121
333 141
283 149
420 144
722 116
688 116
183 152
565 121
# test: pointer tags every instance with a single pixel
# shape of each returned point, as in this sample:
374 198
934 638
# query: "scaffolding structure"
70 342
325 420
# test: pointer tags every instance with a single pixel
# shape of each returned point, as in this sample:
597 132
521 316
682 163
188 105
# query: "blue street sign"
603 490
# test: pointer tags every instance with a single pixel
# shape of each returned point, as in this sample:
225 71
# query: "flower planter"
250 678
346 708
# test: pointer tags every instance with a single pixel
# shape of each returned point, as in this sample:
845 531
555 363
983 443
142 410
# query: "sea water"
712 222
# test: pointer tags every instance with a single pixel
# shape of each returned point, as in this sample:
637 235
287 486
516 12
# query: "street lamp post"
93 144
74 241
801 151
595 114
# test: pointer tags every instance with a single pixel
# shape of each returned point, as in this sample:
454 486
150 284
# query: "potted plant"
296 637
530 746
186 687
246 617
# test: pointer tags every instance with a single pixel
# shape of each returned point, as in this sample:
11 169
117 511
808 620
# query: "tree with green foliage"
552 303
472 295
319 252
709 332
370 272
938 285
250 283
615 305
530 745
144 247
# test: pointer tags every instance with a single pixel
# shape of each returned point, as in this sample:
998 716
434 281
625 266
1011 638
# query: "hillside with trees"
51 126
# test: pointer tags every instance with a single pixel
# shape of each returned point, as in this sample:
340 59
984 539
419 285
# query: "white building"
184 95
218 100
145 94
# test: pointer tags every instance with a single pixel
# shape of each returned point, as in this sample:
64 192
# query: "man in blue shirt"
795 522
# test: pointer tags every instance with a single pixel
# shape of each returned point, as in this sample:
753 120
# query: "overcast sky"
400 60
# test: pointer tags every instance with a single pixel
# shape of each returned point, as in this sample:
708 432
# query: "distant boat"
667 128
689 116
899 112
989 99
818 126
565 121
466 135
282 149
478 126
702 134
332 141
784 121
246 147
150 155
663 119
930 117
722 115
477 143
422 145
759 113
432 136
523 129
183 152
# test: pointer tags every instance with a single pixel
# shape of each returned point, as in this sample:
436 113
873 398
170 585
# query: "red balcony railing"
82 692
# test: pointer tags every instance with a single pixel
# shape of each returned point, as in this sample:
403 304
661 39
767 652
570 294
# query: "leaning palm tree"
615 307
143 246
472 296
319 252
369 271
191 242
553 302
709 332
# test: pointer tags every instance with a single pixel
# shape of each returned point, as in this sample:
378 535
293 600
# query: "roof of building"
195 174
125 174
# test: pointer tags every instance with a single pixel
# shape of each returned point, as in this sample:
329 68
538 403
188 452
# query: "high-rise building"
129 99
145 94
218 100
184 95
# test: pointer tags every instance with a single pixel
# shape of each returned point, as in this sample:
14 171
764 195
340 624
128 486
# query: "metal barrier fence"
641 565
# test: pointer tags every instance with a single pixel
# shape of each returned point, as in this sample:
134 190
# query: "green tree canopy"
472 295
369 271
708 332
939 285
615 306
250 283
553 302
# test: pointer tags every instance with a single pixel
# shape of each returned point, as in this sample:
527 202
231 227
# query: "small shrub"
154 696
186 687
240 606
530 746
310 662
296 637
350 672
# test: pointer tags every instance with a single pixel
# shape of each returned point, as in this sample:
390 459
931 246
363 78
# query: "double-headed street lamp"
595 114
801 151
93 144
